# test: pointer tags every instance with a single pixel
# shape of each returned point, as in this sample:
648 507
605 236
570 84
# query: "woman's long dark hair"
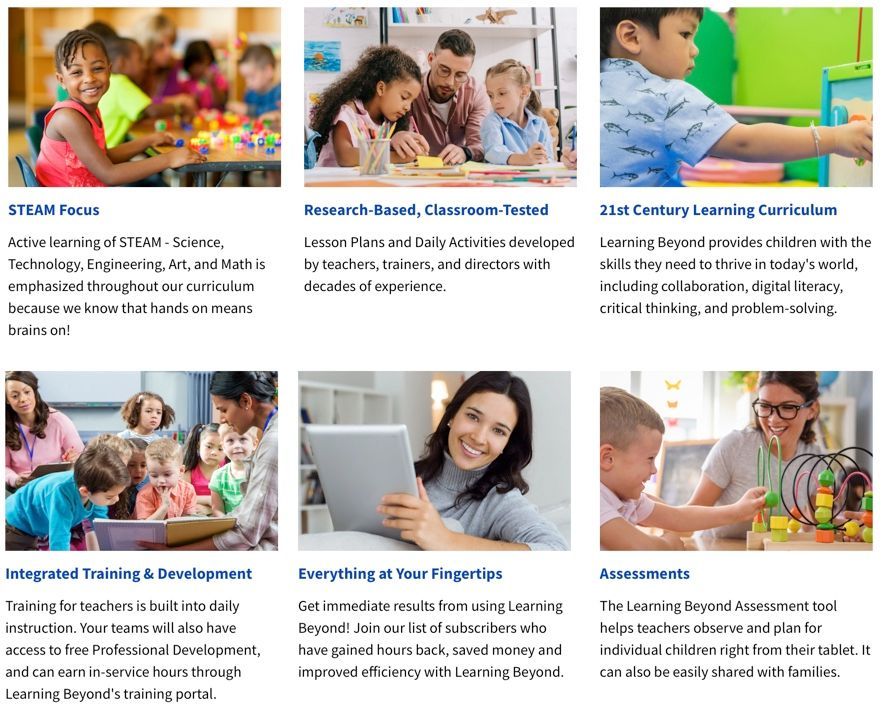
41 409
802 383
261 385
504 473
383 63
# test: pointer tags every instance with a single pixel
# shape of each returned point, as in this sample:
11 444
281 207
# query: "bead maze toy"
846 96
814 473
770 522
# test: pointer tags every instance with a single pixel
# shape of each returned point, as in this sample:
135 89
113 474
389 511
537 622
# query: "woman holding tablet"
471 472
36 434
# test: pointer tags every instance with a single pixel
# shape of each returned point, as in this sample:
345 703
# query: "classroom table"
349 177
219 160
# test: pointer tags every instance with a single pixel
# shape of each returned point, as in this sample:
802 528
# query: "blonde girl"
514 133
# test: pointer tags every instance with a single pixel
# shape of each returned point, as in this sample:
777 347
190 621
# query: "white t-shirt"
613 507
443 109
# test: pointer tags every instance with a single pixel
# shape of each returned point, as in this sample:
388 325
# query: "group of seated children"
136 474
383 86
107 83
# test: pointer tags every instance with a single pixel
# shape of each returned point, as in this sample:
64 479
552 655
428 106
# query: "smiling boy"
630 438
651 120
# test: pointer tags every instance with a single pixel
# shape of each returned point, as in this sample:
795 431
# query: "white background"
544 321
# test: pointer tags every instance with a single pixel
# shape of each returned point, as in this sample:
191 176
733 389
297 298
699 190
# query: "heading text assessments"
429 210
735 209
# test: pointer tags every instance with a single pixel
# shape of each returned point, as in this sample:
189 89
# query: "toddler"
73 150
380 89
514 133
167 495
52 506
203 454
226 483
263 93
630 439
143 414
651 120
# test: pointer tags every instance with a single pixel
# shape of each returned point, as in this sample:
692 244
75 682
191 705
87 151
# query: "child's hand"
569 159
854 139
673 540
409 144
537 154
752 501
237 107
164 497
184 155
417 518
157 139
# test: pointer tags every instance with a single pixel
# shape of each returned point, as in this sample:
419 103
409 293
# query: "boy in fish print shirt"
651 120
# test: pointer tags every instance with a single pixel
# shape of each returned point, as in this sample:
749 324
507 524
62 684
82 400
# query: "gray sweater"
502 516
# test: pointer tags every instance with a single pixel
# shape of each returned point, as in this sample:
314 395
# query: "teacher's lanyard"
269 418
27 445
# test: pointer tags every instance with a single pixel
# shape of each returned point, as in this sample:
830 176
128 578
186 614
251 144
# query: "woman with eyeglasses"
786 406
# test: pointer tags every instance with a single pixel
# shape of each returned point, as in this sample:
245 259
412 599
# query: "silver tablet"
358 465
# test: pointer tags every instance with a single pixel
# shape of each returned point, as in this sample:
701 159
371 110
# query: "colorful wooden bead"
160 125
778 522
826 478
771 498
824 536
823 514
794 526
779 535
822 500
824 491
867 519
867 535
867 501
795 512
851 528
179 142
758 527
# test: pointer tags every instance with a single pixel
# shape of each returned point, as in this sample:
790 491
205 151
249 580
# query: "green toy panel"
780 52
715 68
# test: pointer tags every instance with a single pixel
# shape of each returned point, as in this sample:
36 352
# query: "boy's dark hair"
647 16
131 410
260 55
121 48
457 41
99 468
67 49
198 52
102 29
381 63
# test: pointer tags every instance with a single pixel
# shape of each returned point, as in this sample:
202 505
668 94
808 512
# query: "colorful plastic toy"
846 96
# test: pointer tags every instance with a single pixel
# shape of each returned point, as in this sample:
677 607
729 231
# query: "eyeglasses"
784 411
446 72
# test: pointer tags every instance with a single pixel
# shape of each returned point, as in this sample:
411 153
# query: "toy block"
824 536
779 535
794 526
867 519
755 540
823 514
851 528
825 491
823 500
867 535
826 478
759 527
867 501
778 522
